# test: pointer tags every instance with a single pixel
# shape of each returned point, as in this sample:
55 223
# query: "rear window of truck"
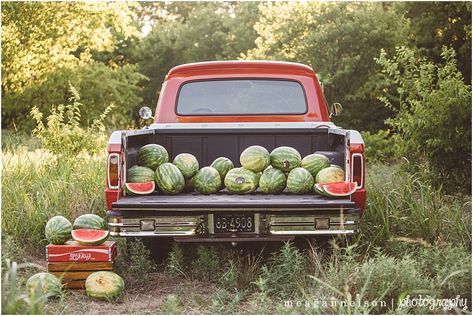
241 97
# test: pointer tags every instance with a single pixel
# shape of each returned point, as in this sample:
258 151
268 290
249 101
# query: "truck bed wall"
207 145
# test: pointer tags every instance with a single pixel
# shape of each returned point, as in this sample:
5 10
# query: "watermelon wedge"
140 188
339 189
90 237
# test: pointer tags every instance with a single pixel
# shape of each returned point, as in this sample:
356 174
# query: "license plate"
234 223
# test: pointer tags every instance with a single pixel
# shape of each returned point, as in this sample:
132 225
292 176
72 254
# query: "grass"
414 241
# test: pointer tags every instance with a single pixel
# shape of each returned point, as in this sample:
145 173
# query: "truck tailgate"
224 201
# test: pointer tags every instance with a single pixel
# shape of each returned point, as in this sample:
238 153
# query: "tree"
340 42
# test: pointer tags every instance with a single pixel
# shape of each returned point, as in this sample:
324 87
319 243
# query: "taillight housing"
113 171
357 169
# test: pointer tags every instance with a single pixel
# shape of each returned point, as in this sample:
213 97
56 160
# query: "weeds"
175 262
172 305
206 266
141 263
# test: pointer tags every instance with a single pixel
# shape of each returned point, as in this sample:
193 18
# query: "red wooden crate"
71 251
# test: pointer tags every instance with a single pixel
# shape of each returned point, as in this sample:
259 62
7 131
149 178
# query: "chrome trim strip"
260 210
152 234
314 232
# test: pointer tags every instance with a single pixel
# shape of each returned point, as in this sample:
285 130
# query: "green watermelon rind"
223 166
130 191
326 188
330 175
187 164
285 158
58 230
139 174
110 286
249 178
169 179
90 221
91 242
300 181
314 163
152 156
272 181
51 285
207 181
255 158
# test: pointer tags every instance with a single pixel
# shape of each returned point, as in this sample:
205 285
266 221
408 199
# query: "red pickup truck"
214 109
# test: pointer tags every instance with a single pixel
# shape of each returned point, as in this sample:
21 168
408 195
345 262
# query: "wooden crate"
74 274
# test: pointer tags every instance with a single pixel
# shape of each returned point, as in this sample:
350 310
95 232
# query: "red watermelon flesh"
90 237
140 188
340 188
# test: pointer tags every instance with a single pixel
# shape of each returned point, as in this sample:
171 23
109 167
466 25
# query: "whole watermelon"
187 164
330 175
272 181
139 174
255 158
104 285
58 230
90 221
223 165
152 155
241 180
44 283
207 180
285 158
314 163
169 179
300 181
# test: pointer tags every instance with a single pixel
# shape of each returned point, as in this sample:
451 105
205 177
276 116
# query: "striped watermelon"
139 174
255 158
223 165
104 285
139 188
187 164
241 180
169 179
152 155
272 181
58 230
207 180
330 175
45 284
285 158
300 181
314 163
90 221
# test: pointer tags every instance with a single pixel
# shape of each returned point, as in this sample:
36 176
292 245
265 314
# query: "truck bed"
231 202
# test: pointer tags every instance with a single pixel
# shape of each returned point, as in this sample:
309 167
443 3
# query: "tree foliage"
432 114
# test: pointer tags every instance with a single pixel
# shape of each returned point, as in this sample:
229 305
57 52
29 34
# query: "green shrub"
141 263
175 265
64 136
432 116
379 146
206 266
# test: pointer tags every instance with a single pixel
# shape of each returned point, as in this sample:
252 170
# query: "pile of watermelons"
87 230
273 173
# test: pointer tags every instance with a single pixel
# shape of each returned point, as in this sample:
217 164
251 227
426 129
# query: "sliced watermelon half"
140 188
340 188
90 237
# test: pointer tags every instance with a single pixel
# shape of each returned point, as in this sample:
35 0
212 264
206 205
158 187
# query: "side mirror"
146 113
335 109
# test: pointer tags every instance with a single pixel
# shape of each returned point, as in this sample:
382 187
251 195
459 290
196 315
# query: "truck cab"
214 109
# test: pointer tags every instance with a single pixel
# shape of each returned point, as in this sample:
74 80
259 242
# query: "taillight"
357 169
113 171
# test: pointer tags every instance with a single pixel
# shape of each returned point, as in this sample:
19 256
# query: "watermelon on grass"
90 237
330 175
104 285
44 284
285 158
140 188
90 221
314 163
272 181
340 189
58 230
207 180
139 174
300 181
152 156
255 158
187 164
169 179
241 180
223 165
